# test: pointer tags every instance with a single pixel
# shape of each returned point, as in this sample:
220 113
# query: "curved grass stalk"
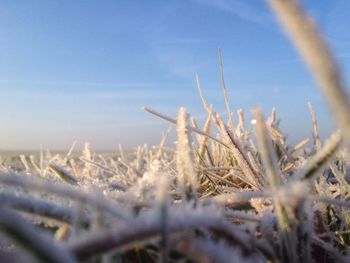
37 207
64 191
145 228
38 245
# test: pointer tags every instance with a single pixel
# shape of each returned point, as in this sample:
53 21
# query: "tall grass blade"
317 55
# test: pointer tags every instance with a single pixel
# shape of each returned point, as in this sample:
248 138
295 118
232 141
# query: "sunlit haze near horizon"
82 70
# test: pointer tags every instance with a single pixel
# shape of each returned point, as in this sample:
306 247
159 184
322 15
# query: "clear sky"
82 70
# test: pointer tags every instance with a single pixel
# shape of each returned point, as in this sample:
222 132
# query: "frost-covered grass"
227 193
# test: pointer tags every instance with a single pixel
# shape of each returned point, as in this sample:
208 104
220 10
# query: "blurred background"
82 70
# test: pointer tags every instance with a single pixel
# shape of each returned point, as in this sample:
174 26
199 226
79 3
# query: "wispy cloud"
242 9
78 83
179 61
51 89
93 95
180 41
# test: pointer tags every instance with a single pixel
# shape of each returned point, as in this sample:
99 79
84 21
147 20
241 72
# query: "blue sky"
82 70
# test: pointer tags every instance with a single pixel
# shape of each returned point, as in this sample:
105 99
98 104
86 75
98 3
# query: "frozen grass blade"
62 190
300 145
237 199
62 173
103 167
74 168
286 227
240 156
315 164
203 148
37 206
163 117
148 227
29 239
201 94
162 144
240 125
25 163
343 184
69 153
315 132
318 57
34 164
163 200
184 158
267 155
227 100
243 216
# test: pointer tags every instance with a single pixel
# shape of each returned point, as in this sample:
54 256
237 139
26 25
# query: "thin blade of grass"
227 100
62 173
317 55
314 165
163 117
315 132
